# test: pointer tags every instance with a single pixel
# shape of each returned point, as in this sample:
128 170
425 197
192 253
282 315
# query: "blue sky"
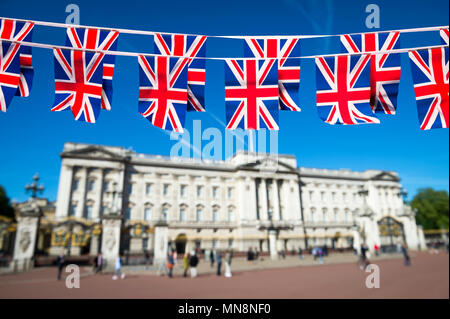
32 137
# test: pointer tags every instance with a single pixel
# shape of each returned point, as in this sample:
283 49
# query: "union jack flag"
444 36
251 94
384 68
343 90
9 73
163 91
190 46
78 84
101 40
20 31
429 69
288 69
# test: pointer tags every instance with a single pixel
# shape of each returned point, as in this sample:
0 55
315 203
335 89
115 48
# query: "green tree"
5 206
432 207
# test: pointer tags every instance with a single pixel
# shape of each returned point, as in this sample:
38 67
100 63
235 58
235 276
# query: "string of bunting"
353 86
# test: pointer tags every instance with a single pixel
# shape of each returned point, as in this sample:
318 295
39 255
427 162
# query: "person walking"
185 264
376 248
320 251
147 260
406 258
60 260
363 260
170 263
193 262
228 258
325 250
118 269
249 254
283 254
300 253
211 258
219 262
98 263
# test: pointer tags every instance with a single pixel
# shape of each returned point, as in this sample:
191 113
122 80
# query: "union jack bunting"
429 69
9 73
163 91
288 69
190 46
98 39
384 68
343 90
78 84
251 94
444 36
20 31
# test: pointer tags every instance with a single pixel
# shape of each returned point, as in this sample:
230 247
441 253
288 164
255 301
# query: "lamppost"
33 188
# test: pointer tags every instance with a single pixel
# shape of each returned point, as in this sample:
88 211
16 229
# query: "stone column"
276 200
111 240
26 236
263 200
273 244
161 242
64 191
99 196
82 191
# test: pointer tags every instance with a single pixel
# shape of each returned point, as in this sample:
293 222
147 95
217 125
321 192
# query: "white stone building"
223 204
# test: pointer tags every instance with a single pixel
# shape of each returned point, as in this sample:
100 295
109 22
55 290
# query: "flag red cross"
162 94
251 94
344 94
80 87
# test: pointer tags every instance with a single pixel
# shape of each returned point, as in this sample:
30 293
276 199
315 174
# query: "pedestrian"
376 248
98 263
185 264
228 258
363 260
60 260
325 250
170 263
118 269
219 262
211 257
320 252
300 253
193 262
283 254
256 254
249 254
406 258
147 260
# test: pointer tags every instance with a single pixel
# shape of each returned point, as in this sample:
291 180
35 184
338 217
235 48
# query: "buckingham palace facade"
223 204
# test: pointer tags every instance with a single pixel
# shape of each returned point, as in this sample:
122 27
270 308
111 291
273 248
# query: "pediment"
94 152
386 176
268 164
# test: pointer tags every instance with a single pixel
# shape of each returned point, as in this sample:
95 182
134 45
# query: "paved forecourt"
428 277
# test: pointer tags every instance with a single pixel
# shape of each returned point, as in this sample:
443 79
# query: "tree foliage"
5 206
432 207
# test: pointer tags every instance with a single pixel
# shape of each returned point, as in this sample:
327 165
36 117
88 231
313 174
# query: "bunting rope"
137 54
243 37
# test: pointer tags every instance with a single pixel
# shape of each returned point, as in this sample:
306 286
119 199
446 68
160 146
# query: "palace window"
322 196
72 210
105 186
103 210
148 188
182 190
165 189
182 214
128 213
199 191
324 214
344 197
199 214
165 213
230 192
215 214
91 184
88 212
214 192
336 213
230 243
214 243
311 195
147 213
130 188
333 196
76 182
230 215
313 211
